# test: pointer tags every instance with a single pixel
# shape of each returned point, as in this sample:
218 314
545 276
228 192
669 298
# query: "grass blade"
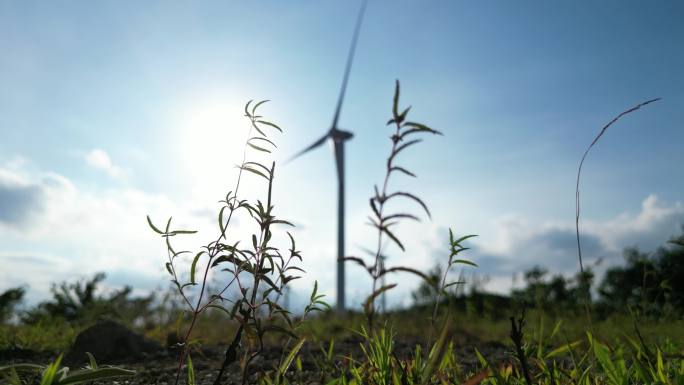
290 357
579 171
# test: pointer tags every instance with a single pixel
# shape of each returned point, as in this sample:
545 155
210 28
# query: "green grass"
467 328
53 336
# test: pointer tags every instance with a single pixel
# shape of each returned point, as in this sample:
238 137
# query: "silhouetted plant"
455 248
382 221
648 284
517 336
71 301
403 137
587 294
254 272
579 170
9 299
81 301
555 294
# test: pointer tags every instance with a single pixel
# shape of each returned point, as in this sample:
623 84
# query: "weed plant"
56 374
256 269
404 136
378 344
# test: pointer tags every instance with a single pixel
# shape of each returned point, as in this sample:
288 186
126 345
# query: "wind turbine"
338 138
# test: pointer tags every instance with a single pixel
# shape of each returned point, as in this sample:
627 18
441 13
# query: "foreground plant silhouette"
253 273
587 293
404 136
579 170
382 365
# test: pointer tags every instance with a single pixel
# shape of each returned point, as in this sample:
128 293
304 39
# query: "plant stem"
517 337
378 265
231 354
214 251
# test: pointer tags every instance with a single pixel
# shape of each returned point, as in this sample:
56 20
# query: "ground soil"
160 367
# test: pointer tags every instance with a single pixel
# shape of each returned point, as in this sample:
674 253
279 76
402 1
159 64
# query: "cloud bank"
99 159
51 230
518 244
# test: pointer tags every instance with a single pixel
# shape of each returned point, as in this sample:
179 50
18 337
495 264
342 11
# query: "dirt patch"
160 366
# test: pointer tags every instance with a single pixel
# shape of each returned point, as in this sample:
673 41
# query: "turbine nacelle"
338 135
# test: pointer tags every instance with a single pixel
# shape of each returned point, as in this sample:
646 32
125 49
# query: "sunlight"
211 141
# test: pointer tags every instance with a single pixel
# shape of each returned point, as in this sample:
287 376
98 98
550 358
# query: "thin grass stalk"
579 172
577 195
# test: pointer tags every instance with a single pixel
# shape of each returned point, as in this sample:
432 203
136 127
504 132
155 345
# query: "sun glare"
211 140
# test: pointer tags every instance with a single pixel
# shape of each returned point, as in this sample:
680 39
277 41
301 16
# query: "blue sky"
113 110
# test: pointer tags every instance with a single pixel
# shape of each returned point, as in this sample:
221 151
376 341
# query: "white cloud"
518 244
75 233
647 229
99 159
70 233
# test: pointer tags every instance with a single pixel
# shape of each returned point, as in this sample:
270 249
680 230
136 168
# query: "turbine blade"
311 147
350 59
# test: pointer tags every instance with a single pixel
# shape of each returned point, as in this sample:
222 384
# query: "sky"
111 111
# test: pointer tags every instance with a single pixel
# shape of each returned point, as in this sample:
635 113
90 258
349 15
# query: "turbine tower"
338 138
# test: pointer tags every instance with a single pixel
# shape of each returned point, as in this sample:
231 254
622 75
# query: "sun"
211 142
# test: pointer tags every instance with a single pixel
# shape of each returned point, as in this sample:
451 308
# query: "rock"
110 342
16 353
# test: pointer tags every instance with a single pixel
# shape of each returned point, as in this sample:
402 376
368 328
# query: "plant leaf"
436 353
412 197
393 237
464 262
401 215
257 105
263 140
258 148
257 172
406 270
403 170
194 266
357 260
270 124
156 230
91 360
404 145
191 371
395 102
50 372
247 107
87 375
417 127
371 298
463 238
562 349
285 365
